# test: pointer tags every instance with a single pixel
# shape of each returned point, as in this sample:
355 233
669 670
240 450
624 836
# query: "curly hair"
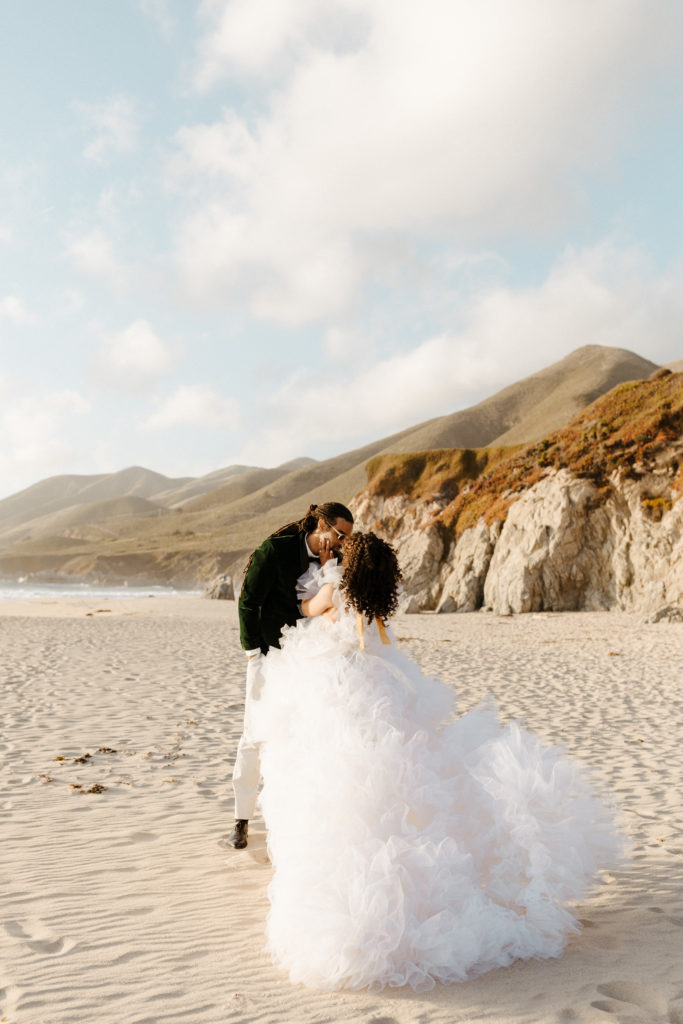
372 576
329 511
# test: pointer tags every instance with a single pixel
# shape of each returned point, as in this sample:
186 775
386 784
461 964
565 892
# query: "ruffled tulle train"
407 846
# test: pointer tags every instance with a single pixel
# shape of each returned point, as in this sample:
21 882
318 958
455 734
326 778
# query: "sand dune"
121 903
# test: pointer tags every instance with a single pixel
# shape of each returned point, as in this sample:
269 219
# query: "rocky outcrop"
419 543
541 559
220 589
565 545
465 572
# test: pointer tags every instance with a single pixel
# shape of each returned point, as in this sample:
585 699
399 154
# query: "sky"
243 231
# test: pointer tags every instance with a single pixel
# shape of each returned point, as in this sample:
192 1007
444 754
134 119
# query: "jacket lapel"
303 554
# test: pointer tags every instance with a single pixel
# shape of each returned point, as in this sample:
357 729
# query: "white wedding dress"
409 846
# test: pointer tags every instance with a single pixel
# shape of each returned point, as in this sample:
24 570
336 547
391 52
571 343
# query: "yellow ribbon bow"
360 629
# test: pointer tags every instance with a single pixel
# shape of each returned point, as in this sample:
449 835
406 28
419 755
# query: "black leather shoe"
238 836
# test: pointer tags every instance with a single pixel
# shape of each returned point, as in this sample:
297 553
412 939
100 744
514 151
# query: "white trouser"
246 774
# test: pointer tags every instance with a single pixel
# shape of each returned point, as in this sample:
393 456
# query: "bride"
408 845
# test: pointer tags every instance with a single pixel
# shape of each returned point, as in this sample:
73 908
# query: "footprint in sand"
632 992
37 938
606 1005
205 789
126 958
14 929
9 1000
671 918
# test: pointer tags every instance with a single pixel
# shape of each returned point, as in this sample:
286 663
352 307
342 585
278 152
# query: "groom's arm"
255 589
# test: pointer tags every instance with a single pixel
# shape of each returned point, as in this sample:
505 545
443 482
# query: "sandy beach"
120 901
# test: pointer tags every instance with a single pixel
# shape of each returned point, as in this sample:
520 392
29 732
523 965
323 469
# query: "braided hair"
329 511
372 576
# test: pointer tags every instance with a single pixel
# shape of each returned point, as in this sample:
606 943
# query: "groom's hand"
326 552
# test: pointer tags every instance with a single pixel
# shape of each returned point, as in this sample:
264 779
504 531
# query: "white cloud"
195 405
159 11
35 431
216 150
598 296
13 308
345 345
93 253
118 205
444 120
133 357
114 126
5 234
242 37
30 418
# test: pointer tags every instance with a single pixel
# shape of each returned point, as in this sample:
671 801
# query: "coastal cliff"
589 518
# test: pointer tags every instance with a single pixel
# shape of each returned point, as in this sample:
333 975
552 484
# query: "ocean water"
22 590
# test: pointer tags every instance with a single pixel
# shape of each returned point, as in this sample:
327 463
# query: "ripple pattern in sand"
120 902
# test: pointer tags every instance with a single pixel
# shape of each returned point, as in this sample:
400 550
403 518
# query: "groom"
267 603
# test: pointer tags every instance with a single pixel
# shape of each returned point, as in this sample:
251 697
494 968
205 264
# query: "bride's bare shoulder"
318 604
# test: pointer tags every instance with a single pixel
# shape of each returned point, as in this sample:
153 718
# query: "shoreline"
132 602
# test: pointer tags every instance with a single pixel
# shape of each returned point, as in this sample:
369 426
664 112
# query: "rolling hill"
195 527
61 492
535 406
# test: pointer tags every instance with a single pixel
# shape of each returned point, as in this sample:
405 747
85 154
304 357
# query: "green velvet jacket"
268 600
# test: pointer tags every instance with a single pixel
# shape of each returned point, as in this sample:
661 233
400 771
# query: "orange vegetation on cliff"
632 429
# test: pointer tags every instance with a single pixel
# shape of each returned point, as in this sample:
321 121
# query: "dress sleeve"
315 578
256 587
